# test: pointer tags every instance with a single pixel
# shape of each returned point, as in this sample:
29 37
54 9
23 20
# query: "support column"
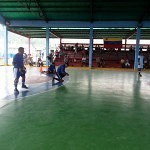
5 46
137 48
47 45
125 44
91 46
29 46
60 41
60 44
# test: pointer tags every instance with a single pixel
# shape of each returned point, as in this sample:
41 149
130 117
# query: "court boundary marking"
21 98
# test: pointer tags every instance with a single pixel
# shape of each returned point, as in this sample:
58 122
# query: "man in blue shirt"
19 69
61 72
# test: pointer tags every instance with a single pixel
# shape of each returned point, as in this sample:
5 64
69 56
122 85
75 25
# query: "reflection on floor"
37 83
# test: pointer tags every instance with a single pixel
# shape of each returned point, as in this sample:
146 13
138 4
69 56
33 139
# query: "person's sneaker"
140 75
24 86
16 91
61 80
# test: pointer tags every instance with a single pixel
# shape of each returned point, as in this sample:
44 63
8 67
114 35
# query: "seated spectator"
61 53
122 61
141 48
98 61
102 62
76 47
119 49
83 61
74 60
56 53
148 48
145 63
127 64
66 59
50 57
83 52
131 48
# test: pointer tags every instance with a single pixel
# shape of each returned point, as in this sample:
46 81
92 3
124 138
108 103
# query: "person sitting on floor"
51 69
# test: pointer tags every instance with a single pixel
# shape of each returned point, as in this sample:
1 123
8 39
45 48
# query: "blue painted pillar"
125 45
5 45
91 46
29 46
60 41
47 44
137 48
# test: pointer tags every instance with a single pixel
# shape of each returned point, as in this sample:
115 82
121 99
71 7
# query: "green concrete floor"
95 110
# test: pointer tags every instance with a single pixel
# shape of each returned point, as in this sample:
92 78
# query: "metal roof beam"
41 12
19 33
146 24
55 34
27 4
130 35
147 10
91 10
78 24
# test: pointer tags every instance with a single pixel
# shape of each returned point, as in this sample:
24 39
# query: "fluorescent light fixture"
94 28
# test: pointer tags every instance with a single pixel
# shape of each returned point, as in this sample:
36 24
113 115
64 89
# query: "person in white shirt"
83 61
140 64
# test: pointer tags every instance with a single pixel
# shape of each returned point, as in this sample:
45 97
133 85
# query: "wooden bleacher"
111 57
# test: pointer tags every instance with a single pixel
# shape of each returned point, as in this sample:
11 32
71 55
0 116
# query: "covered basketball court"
94 108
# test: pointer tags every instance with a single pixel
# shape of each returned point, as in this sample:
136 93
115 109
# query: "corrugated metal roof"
76 10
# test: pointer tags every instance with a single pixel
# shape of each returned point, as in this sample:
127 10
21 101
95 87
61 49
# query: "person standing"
140 64
19 69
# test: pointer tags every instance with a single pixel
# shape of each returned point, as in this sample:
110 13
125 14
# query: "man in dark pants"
61 72
19 69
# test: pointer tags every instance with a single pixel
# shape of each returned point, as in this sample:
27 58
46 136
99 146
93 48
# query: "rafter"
19 33
91 10
131 34
41 12
55 34
27 4
147 11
